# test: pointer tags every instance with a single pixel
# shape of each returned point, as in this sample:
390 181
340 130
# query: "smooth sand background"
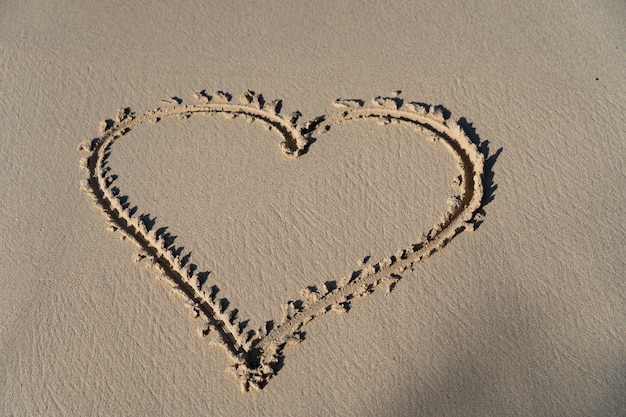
524 317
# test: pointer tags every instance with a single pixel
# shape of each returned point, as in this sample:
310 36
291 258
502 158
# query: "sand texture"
265 209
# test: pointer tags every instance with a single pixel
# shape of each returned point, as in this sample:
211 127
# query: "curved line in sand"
256 354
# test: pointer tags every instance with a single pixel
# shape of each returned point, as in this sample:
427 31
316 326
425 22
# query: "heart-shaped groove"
257 353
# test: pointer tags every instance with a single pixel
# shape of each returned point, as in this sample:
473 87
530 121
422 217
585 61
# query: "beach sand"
443 240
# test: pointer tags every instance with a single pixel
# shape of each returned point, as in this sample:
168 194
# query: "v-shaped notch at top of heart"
256 352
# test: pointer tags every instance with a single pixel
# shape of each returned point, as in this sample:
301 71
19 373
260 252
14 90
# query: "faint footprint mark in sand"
257 353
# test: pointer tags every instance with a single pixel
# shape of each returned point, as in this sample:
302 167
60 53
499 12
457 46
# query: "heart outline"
256 353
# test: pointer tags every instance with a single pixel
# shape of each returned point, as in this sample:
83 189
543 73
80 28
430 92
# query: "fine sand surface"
428 222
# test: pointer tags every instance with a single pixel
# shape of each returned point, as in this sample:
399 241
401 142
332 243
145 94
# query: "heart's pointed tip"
290 152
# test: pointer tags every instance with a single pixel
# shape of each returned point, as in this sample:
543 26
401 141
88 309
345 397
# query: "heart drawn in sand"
256 352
